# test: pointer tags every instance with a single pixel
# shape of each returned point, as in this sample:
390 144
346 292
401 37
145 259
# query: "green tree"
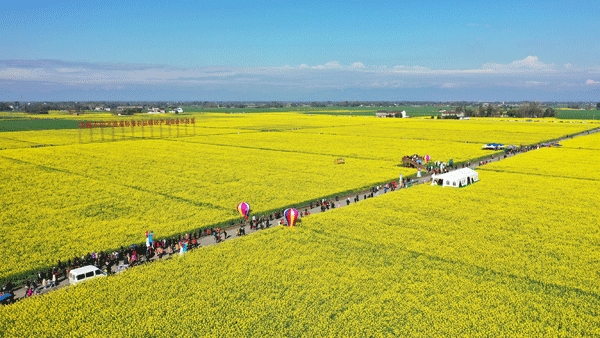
4 106
513 113
131 111
549 112
530 109
469 112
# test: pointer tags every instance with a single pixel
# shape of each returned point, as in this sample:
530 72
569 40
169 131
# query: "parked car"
84 273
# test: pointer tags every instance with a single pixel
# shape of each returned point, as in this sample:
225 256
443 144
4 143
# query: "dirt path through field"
20 291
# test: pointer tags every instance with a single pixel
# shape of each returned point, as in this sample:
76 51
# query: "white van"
83 273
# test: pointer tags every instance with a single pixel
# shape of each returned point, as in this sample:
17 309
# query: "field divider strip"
282 150
181 199
580 148
469 266
544 175
16 140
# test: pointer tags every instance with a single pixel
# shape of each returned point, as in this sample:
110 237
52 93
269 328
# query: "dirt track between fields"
20 292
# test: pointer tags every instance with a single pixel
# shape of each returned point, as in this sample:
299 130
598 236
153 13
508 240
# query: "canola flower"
426 261
67 200
554 162
591 141
364 147
576 158
61 137
479 131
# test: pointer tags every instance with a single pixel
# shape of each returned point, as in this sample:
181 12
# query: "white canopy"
457 178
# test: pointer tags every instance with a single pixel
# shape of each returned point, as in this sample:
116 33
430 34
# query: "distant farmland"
578 114
330 110
37 124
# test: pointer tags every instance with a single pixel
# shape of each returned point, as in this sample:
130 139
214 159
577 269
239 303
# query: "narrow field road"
20 291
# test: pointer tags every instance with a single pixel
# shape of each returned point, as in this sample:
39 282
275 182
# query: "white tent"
456 178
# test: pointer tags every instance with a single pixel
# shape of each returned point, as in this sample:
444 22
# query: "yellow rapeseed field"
72 198
66 201
480 131
59 137
512 255
576 158
363 146
589 142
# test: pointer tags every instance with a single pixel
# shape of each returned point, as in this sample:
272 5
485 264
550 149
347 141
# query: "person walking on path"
150 239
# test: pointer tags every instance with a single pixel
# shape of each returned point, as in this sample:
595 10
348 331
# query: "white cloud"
420 69
535 83
568 65
529 72
70 70
413 69
333 64
329 65
528 64
472 24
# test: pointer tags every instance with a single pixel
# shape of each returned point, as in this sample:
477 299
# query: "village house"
385 113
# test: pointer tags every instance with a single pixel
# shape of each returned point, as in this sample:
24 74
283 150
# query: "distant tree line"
131 111
44 107
512 109
527 109
6 106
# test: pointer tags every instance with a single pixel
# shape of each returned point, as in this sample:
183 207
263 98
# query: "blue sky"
309 50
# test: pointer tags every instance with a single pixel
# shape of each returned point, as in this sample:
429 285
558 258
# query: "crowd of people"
125 256
136 254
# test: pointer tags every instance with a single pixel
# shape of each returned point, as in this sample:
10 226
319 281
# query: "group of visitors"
157 249
7 295
154 248
326 205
